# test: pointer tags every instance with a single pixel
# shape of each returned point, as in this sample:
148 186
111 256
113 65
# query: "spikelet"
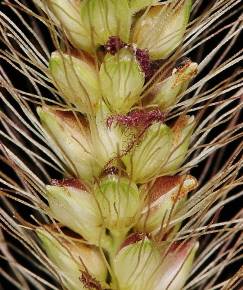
105 159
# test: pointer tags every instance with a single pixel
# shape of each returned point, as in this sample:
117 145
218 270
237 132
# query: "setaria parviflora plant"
119 127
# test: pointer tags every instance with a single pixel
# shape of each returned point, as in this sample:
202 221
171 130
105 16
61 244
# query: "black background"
226 213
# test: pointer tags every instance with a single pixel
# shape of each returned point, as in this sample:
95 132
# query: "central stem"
117 237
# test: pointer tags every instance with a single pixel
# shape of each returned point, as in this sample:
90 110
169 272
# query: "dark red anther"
68 182
114 44
142 57
137 118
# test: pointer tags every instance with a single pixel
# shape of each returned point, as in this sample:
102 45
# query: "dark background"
19 81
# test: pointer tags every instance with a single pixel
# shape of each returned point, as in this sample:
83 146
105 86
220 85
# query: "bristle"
120 144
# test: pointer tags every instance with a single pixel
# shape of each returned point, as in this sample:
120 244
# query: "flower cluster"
116 142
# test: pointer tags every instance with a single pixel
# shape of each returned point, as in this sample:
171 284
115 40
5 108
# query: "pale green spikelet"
105 158
77 80
149 269
162 29
72 259
165 93
102 19
76 208
71 138
121 81
147 158
67 14
167 193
